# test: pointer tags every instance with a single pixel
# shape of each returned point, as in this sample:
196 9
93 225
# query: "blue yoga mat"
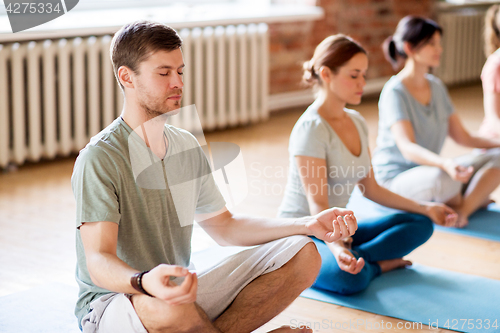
421 294
485 223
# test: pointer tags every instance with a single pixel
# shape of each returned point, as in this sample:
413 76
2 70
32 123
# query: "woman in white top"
329 155
490 75
416 115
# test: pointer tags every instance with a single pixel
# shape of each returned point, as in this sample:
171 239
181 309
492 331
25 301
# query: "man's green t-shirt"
117 178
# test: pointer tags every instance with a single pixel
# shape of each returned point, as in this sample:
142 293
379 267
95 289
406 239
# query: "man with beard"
133 232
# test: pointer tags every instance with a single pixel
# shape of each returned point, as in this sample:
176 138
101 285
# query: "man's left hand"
333 224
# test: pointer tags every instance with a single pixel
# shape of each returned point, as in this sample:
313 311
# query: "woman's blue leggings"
388 237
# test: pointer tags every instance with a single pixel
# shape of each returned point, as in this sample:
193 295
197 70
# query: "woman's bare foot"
462 221
463 218
486 203
286 329
391 264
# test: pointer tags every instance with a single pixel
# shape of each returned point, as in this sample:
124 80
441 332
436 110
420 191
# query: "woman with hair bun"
490 76
329 155
415 116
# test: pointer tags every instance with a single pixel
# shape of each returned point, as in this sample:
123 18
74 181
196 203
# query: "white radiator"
463 51
56 94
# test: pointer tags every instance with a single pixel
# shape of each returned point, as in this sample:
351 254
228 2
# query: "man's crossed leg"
240 294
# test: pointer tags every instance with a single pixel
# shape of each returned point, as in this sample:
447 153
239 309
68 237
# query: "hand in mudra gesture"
333 224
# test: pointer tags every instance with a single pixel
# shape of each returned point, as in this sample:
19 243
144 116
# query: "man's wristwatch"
136 282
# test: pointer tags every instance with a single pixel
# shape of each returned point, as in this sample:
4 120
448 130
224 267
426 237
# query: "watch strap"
136 282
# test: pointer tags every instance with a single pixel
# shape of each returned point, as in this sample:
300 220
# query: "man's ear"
125 77
325 74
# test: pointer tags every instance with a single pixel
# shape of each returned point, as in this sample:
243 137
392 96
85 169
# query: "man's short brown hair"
136 41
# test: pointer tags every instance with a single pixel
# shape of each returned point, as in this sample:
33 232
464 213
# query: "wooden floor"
37 213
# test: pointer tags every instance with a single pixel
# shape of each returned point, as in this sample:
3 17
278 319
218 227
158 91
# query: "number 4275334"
32 8
471 324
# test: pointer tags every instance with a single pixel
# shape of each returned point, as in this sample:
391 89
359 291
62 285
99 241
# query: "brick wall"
368 21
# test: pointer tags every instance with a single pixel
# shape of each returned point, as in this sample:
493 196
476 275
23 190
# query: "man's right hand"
157 282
